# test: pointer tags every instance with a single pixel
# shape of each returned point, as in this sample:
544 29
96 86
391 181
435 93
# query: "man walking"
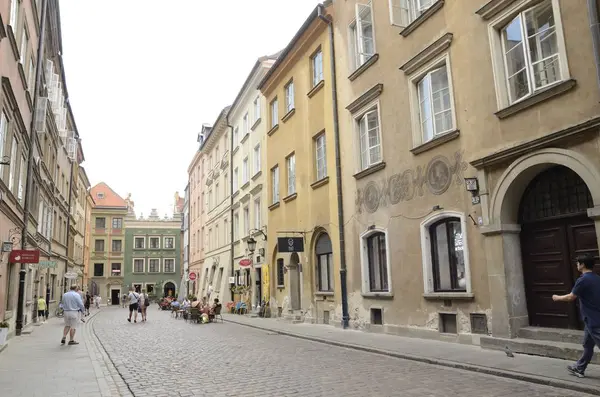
41 307
134 299
72 304
587 290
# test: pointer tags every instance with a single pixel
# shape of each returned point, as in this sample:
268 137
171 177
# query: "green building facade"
153 254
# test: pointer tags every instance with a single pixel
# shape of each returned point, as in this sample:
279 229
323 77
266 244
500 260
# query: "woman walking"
143 304
88 302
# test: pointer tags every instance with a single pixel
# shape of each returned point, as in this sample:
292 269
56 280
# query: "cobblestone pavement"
169 357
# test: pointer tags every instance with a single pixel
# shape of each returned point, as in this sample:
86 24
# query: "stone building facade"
302 187
470 163
248 145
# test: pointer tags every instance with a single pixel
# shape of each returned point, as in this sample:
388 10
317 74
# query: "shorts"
41 313
71 318
133 307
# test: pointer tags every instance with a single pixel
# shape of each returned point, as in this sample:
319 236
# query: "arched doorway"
169 289
295 282
324 263
555 229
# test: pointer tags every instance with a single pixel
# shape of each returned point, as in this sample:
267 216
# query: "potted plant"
3 332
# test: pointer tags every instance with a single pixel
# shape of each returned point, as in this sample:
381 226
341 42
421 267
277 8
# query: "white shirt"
133 298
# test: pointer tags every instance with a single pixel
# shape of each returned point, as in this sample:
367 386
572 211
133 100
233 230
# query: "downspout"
595 30
230 198
30 160
338 173
69 220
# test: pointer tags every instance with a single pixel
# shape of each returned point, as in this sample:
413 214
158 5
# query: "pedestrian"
41 304
72 305
134 299
144 302
587 290
123 300
88 302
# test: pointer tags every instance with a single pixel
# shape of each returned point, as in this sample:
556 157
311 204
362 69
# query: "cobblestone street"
169 357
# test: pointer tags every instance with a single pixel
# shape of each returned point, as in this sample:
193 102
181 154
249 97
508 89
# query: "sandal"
63 340
72 342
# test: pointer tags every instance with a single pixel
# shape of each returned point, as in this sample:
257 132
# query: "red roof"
104 196
179 204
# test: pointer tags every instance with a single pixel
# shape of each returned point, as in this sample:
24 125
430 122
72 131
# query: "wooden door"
547 270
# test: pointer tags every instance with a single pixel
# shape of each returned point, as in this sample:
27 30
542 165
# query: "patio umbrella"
182 290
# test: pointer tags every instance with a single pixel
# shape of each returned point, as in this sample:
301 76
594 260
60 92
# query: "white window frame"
14 15
274 109
357 51
404 12
236 226
289 96
165 265
364 268
275 184
290 162
133 265
498 59
22 178
236 177
246 213
427 261
358 117
257 158
165 242
31 75
23 46
157 267
257 214
245 170
317 67
13 164
3 134
236 136
256 106
320 161
150 242
246 123
414 79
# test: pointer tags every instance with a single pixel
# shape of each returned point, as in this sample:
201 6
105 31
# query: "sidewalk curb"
434 361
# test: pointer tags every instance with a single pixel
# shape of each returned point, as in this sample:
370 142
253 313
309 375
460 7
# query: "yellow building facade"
301 182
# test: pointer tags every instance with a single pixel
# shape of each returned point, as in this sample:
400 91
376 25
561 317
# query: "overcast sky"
143 75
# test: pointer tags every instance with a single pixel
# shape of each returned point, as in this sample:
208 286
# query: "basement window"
376 316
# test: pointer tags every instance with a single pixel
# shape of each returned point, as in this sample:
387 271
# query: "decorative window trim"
157 267
133 265
415 77
165 242
150 239
424 57
164 266
503 15
367 97
356 116
427 261
364 263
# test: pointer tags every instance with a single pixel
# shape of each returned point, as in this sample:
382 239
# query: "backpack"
146 301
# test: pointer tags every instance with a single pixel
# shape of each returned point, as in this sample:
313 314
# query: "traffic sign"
24 256
192 276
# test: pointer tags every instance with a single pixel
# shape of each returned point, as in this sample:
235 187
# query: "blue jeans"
591 338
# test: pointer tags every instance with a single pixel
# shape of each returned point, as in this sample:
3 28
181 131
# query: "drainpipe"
595 30
69 221
338 173
30 160
230 198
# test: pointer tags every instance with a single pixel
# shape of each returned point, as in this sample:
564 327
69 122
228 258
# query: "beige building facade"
247 117
470 163
217 265
197 212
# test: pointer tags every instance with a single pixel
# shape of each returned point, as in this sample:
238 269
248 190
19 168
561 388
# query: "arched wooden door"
555 229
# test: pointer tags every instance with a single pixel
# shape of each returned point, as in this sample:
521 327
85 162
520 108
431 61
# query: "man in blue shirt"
72 304
587 290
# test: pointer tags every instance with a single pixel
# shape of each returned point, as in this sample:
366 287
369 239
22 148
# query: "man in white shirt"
72 304
134 299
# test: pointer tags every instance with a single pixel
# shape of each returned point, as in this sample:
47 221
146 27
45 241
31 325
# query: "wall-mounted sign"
24 256
47 264
192 276
245 262
290 244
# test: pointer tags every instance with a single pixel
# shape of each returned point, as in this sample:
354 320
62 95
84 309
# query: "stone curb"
540 380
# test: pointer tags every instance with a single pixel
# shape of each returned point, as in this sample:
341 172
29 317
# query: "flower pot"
3 335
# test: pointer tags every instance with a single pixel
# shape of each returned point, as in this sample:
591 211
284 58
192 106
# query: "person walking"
587 290
41 308
88 302
134 299
144 302
72 304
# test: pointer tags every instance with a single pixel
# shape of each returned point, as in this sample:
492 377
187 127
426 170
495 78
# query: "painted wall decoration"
437 176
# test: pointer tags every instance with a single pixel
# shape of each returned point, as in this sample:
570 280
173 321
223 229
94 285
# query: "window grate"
479 323
556 192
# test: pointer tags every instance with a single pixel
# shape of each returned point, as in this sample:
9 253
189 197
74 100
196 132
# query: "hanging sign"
192 276
290 244
24 256
245 262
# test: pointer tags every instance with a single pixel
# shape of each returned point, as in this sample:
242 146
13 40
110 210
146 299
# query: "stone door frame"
501 227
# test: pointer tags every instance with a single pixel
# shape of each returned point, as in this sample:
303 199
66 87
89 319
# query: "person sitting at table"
213 307
186 303
175 305
195 302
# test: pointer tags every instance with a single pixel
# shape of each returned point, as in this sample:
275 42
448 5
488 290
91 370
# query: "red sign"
192 276
245 262
24 256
